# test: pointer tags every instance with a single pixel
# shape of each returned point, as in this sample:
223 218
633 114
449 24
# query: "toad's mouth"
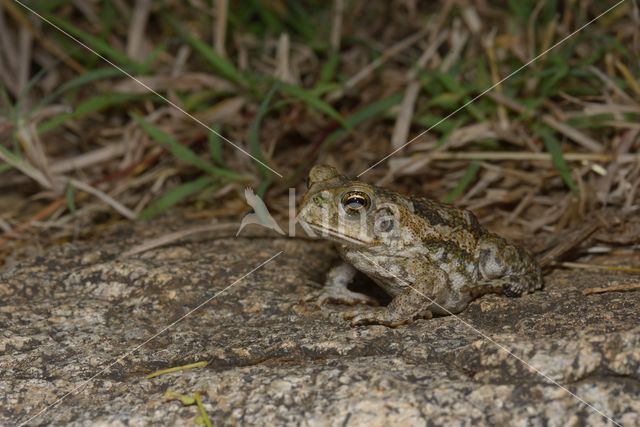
336 236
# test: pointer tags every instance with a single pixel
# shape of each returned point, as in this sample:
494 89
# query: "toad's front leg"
414 301
336 291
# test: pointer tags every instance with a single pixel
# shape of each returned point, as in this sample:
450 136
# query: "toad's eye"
355 202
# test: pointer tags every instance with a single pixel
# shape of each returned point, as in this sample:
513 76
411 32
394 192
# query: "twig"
573 133
611 84
24 67
137 27
522 156
532 28
568 242
373 65
628 77
522 205
220 30
603 188
8 43
177 369
44 41
25 168
336 24
43 213
91 158
489 46
180 81
403 122
123 210
29 138
177 235
579 265
618 287
283 70
550 121
459 37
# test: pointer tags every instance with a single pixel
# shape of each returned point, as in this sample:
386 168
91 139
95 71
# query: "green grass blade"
445 128
553 147
450 82
89 106
330 67
186 400
7 107
521 9
254 138
70 196
320 89
214 143
181 152
426 121
173 369
221 65
314 102
175 195
203 418
299 17
446 100
468 177
365 113
553 76
5 167
273 21
10 157
153 55
100 46
86 78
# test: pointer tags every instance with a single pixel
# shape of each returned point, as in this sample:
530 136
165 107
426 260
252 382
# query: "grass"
292 105
191 400
218 64
553 147
215 175
254 138
181 368
469 174
88 107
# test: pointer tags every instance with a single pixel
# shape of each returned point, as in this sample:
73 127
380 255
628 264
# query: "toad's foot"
381 316
342 295
512 286
336 291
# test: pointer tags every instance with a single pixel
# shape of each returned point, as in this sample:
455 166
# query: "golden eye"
355 202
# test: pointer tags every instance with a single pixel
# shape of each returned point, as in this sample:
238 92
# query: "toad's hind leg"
416 300
403 309
507 268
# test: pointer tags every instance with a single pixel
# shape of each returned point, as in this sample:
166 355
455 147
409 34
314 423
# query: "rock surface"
274 358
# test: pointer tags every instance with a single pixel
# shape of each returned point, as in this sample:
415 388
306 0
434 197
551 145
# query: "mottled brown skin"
430 257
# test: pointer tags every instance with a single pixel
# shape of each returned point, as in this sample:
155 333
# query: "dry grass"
297 83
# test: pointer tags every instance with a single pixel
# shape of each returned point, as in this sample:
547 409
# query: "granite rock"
86 322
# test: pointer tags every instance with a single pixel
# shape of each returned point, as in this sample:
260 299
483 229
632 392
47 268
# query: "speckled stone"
274 358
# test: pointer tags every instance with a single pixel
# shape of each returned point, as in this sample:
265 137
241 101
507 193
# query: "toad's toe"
345 296
376 316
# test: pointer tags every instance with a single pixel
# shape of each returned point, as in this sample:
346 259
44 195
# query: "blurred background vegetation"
294 83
